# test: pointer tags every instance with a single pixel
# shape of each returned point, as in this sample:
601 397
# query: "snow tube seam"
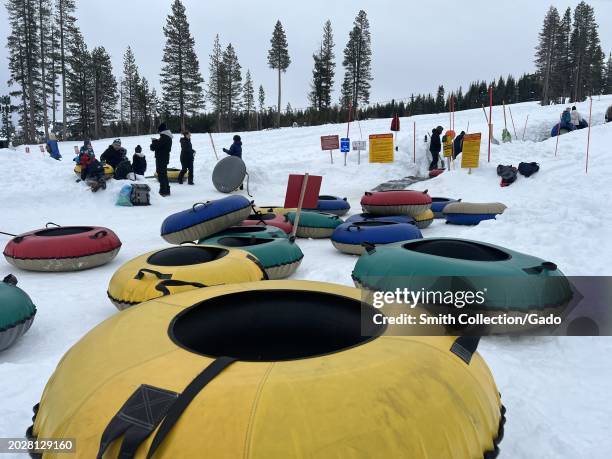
102 252
424 220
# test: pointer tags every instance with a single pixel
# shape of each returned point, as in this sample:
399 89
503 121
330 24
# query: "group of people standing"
435 146
571 119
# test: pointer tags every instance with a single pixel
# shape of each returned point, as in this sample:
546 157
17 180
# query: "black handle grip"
157 274
193 208
100 234
54 224
163 285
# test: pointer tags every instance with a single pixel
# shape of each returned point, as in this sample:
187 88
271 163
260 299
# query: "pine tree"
216 81
278 59
80 94
561 68
232 83
546 52
66 26
586 55
289 109
145 104
316 86
131 79
54 58
440 99
6 110
608 89
104 88
262 103
180 76
357 64
323 71
249 97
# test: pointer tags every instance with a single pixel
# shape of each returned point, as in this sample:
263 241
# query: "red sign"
395 123
294 188
330 142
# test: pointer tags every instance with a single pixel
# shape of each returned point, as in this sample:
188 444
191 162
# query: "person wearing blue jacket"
53 147
236 148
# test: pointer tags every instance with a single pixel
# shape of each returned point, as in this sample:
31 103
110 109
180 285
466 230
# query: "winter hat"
117 142
574 107
86 142
138 149
237 138
162 127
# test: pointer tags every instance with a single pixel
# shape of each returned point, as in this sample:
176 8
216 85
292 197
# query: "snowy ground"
556 389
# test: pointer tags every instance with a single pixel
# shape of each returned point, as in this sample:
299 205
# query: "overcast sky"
415 45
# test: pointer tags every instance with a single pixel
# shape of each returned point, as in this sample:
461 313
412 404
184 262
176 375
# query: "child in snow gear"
53 147
114 154
609 114
85 158
236 147
139 161
162 147
458 145
124 170
566 120
528 169
435 146
187 156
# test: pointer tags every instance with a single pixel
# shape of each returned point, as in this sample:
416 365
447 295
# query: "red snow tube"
436 172
271 219
65 248
402 202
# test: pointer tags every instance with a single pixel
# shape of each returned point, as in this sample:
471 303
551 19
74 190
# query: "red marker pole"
414 141
490 120
558 134
586 169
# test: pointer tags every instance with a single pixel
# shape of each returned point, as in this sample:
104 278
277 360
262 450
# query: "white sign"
360 145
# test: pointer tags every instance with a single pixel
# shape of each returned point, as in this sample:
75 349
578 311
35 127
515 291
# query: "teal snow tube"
315 225
508 280
16 312
251 230
279 256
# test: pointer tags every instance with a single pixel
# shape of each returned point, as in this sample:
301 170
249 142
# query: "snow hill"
556 389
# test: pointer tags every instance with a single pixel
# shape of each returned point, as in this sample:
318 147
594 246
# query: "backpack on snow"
139 195
123 169
528 169
508 174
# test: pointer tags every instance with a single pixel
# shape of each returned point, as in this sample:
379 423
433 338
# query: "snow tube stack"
403 202
470 213
64 248
351 237
277 220
512 280
328 381
424 220
16 312
315 225
387 218
205 219
333 205
179 269
438 205
279 256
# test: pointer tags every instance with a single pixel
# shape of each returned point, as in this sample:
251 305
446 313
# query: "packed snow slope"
556 389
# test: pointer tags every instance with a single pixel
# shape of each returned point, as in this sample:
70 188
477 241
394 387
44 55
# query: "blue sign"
345 145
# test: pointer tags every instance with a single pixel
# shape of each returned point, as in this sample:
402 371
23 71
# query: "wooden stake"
296 221
331 156
213 145
525 128
586 169
505 122
414 142
512 119
558 134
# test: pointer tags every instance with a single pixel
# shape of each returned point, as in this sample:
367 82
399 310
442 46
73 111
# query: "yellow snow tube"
108 170
274 210
298 380
178 269
425 219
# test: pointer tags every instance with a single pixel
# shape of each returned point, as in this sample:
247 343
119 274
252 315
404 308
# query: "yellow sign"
470 156
381 148
448 143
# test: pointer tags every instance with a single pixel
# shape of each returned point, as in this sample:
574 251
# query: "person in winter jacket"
435 147
86 158
566 120
236 148
162 147
187 156
139 161
53 147
458 145
575 117
609 114
114 154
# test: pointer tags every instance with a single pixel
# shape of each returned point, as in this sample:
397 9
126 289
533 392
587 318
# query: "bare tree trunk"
63 64
96 118
278 114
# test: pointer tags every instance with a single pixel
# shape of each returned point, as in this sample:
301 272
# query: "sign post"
330 142
302 191
470 157
381 148
359 146
345 147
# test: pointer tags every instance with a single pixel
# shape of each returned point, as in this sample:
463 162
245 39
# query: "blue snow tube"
472 213
54 147
468 219
565 128
205 219
387 218
333 205
349 237
438 205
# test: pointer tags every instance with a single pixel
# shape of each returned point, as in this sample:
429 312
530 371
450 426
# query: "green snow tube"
315 225
509 280
16 312
280 257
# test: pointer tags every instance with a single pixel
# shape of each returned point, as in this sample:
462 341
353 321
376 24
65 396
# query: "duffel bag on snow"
140 194
123 170
507 173
528 169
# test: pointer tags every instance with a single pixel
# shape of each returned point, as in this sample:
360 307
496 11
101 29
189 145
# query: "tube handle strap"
141 272
163 285
182 402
